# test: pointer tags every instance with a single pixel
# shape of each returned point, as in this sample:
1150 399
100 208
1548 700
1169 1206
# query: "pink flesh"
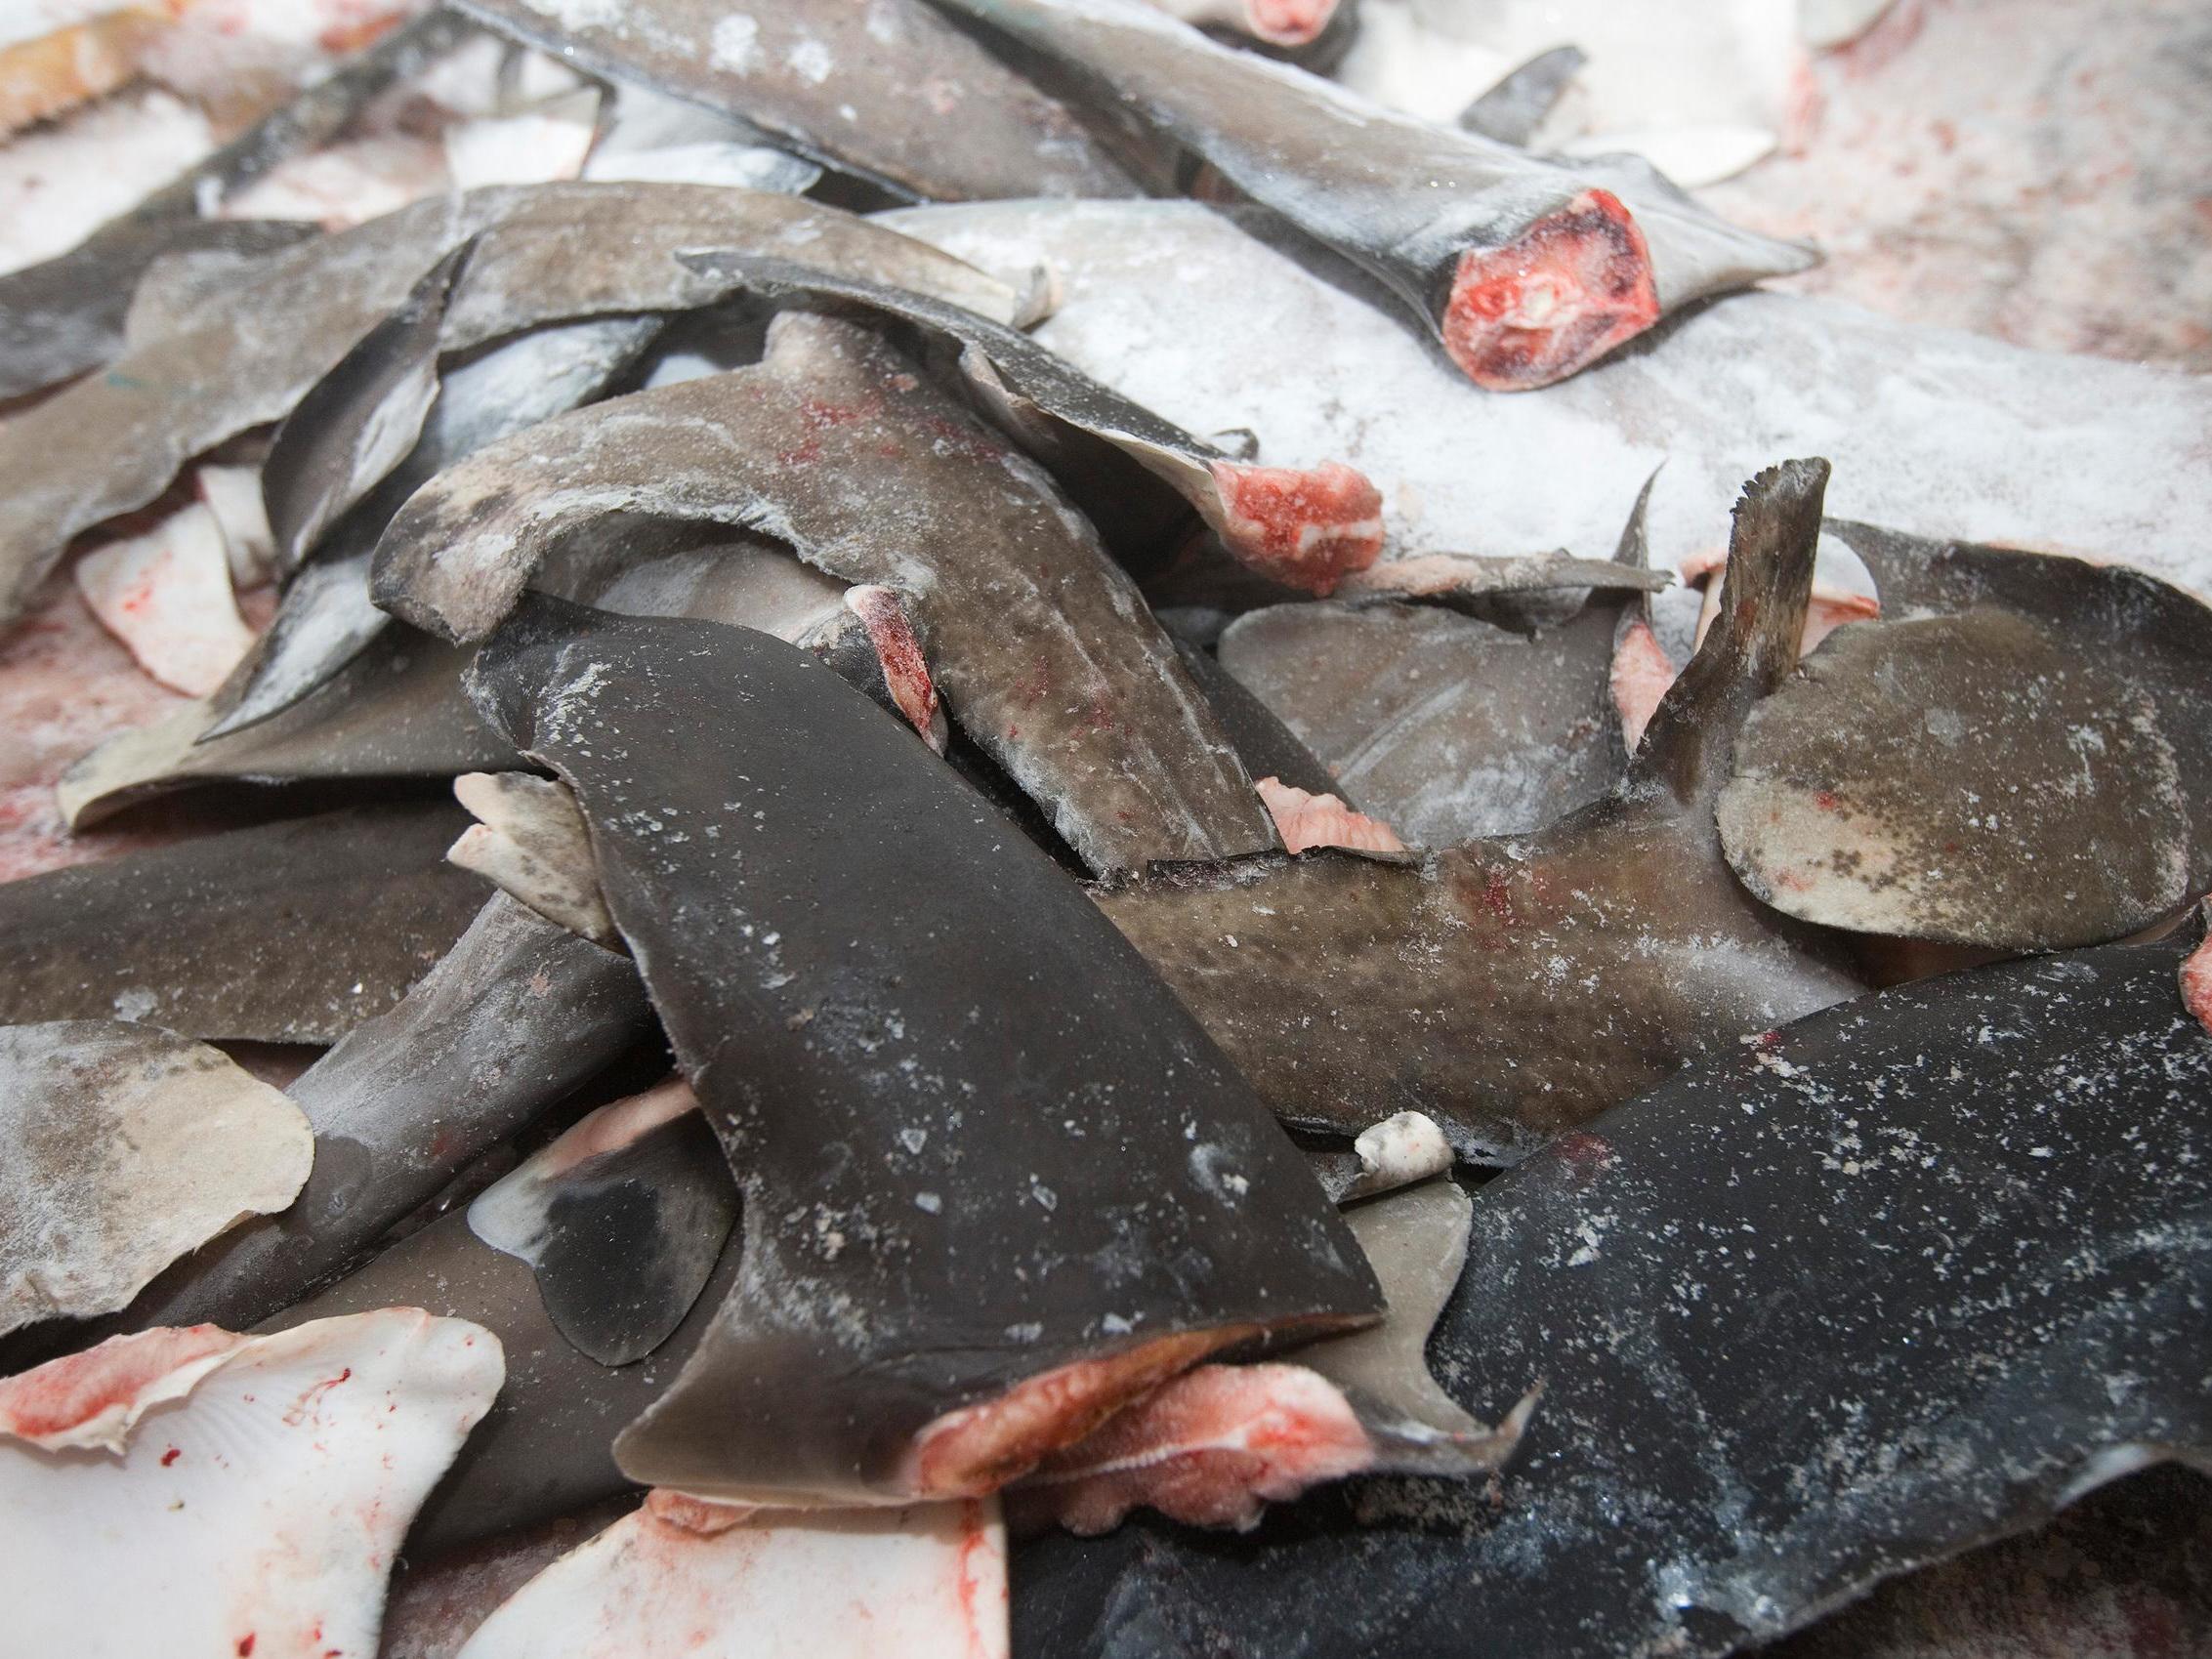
1288 22
702 1515
2197 983
1305 528
1562 294
616 1125
1211 1448
979 1448
1306 820
91 1398
1641 675
904 669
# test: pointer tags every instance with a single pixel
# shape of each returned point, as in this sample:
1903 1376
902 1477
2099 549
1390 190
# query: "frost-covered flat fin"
252 1492
1970 779
131 1147
675 1578
530 840
1752 644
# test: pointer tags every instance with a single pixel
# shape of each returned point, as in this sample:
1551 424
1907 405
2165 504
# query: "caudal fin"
1752 642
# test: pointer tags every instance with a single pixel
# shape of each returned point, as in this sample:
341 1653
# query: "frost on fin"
1753 642
128 1148
677 1577
1968 779
217 1494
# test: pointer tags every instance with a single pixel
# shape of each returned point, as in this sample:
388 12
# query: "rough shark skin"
1305 528
128 1146
1513 987
889 91
1970 779
1043 650
65 315
893 1333
286 933
1964 1210
247 353
1526 269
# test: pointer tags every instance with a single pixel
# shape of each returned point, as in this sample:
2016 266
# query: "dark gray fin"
128 1146
1752 644
1267 747
1638 657
797 71
1945 1215
359 420
621 1220
901 1132
394 709
285 933
1512 110
1970 779
1305 528
1050 661
66 314
1526 269
327 617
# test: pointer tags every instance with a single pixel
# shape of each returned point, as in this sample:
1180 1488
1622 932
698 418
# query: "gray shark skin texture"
66 314
1901 1278
1971 779
286 933
890 91
794 886
514 1017
245 353
1513 987
1524 270
1045 652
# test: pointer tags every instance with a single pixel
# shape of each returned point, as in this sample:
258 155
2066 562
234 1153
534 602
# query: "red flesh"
900 651
64 1394
1305 528
973 1451
1211 1448
1561 295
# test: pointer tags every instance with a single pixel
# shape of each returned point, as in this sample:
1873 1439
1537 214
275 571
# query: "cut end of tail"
973 1451
1288 22
1305 528
1568 290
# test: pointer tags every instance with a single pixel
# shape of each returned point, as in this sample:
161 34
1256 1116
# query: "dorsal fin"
1752 642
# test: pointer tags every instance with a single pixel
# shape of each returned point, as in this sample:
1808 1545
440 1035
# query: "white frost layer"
921 1583
129 1147
167 595
1931 431
258 1503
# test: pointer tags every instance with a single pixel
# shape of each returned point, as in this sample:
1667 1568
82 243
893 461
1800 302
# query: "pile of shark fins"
811 912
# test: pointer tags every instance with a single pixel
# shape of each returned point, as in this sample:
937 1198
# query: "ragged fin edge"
1752 644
